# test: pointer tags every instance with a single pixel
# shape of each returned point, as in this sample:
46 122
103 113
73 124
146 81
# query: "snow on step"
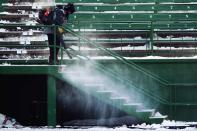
119 98
149 111
158 115
133 104
146 110
105 91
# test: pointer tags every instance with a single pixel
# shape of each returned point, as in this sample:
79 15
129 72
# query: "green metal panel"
125 1
51 101
106 1
127 17
180 92
182 89
133 26
178 7
169 69
24 69
174 25
109 26
130 7
101 8
177 1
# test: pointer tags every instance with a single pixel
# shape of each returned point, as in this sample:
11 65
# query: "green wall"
177 98
180 92
174 70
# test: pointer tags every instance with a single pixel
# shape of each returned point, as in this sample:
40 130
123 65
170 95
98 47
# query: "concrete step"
118 101
105 94
157 119
131 107
93 87
145 113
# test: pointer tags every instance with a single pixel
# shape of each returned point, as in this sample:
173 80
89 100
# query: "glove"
60 30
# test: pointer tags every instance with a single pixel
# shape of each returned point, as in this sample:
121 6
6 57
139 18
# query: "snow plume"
87 80
91 73
90 78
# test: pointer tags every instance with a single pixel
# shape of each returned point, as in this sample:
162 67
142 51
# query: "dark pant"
51 48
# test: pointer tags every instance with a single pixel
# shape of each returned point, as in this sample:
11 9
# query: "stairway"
108 91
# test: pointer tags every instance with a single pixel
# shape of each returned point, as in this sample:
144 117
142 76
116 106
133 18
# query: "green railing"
118 57
130 64
117 76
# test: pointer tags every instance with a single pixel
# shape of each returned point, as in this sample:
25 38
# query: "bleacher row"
129 27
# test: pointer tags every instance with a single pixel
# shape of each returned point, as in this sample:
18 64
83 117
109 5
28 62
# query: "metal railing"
128 63
118 57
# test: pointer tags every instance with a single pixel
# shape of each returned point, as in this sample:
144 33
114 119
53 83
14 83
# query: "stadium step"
111 97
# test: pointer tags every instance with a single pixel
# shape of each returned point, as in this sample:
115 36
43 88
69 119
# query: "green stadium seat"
123 22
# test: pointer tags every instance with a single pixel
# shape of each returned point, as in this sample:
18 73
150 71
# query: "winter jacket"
58 19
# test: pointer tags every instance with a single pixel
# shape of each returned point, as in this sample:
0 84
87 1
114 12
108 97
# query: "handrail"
120 58
115 74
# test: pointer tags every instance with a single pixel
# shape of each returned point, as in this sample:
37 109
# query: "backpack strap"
58 16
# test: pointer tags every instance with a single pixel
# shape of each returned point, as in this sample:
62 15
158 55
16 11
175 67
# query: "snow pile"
142 127
8 122
168 125
4 22
26 39
5 13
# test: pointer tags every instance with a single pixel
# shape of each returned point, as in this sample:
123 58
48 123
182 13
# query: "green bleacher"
164 23
144 26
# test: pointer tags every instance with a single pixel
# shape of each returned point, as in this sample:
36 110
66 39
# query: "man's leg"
64 45
51 48
58 47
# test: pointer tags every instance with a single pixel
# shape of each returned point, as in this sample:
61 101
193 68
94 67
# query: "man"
58 17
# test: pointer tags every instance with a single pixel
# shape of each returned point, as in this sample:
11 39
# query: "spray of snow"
88 78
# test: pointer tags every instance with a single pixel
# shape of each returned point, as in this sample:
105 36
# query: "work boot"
57 60
51 61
